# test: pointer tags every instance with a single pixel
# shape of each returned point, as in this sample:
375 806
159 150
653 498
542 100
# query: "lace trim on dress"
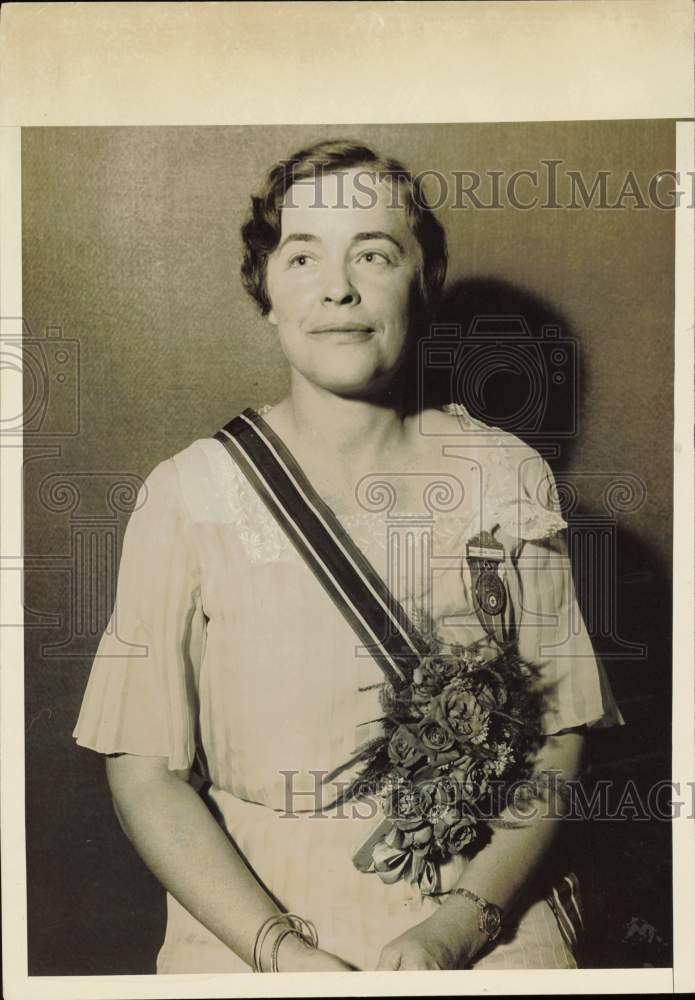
261 537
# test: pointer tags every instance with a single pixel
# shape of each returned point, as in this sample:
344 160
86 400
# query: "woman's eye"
300 260
374 257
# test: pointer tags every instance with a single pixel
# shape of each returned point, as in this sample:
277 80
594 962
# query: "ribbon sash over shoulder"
341 567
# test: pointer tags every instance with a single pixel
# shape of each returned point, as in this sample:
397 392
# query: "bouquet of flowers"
455 740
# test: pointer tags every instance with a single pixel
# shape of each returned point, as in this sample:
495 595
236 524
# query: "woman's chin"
354 382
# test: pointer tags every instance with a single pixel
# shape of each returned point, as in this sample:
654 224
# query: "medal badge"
484 556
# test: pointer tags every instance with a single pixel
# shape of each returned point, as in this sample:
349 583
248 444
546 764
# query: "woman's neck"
355 431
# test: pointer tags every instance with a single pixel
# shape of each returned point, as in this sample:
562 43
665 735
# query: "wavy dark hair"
261 230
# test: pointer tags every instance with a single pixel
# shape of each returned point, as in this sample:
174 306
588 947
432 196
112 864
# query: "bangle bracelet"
304 929
276 945
262 934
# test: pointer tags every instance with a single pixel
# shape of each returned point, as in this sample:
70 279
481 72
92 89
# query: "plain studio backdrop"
141 339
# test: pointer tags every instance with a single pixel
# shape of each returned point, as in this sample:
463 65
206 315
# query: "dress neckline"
362 516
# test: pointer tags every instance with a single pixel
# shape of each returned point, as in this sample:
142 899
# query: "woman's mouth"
347 328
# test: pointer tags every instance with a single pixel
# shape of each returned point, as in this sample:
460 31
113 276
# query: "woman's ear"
272 318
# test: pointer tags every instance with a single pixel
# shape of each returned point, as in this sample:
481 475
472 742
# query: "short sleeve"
141 691
550 626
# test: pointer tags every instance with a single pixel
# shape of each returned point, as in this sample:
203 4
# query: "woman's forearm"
500 871
187 850
505 865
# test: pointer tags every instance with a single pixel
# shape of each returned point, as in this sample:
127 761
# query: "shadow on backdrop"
514 360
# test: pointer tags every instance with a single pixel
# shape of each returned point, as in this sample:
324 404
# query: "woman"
226 657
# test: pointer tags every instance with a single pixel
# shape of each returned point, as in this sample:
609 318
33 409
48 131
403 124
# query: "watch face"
491 920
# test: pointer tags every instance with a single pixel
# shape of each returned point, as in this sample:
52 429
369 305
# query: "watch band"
490 915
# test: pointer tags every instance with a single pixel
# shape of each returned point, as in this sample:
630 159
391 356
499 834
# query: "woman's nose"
338 287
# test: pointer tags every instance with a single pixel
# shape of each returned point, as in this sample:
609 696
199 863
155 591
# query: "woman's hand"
436 943
296 955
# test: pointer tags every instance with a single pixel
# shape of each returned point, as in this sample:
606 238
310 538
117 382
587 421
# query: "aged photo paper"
542 287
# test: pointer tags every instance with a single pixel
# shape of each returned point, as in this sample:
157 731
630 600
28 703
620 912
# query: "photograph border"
628 30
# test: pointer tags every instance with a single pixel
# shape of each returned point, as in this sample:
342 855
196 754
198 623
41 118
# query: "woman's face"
341 279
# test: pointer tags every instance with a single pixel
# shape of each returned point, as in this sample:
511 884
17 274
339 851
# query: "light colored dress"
223 646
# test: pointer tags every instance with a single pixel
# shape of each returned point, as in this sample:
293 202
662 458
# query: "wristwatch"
489 916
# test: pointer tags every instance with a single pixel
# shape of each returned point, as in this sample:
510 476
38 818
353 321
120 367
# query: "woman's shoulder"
167 474
208 481
519 485
192 473
497 445
169 485
205 479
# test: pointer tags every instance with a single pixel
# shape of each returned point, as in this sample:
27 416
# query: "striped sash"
348 577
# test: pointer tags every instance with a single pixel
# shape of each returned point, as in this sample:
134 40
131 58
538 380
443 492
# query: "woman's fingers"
408 958
389 959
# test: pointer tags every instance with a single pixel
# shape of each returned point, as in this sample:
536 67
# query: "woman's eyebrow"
374 234
298 238
378 234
